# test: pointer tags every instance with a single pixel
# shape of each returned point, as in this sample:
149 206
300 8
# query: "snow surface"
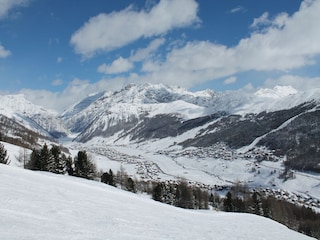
17 155
38 205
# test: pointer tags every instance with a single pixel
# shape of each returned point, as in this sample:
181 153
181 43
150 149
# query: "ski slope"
39 205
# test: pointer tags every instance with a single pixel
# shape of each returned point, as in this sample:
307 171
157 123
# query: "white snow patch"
37 205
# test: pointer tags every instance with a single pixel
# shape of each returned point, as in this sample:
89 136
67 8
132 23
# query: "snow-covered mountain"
31 116
134 101
139 113
125 113
108 113
112 112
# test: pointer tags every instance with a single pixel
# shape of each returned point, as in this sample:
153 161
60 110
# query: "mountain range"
279 125
144 112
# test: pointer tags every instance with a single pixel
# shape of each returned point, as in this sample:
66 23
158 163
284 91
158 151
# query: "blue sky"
56 51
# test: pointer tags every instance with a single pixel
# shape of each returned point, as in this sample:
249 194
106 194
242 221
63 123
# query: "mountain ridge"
134 104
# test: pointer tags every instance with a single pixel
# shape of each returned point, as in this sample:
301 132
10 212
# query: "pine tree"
108 178
34 161
46 161
4 159
83 166
59 160
256 207
157 192
69 166
227 203
50 163
41 160
111 178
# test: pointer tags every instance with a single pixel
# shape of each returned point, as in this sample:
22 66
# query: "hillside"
37 205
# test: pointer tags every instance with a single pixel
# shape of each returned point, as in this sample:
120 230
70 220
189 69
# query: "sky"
56 52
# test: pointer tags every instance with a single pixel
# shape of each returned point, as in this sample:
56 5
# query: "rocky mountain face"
282 119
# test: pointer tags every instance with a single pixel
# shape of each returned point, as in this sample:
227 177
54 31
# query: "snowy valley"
268 140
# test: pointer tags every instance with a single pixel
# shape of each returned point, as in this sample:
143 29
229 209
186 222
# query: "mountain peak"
277 92
17 103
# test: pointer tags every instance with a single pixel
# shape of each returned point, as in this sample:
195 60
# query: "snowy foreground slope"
37 205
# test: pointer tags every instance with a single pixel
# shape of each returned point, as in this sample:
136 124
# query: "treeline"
121 180
179 194
238 199
55 161
298 218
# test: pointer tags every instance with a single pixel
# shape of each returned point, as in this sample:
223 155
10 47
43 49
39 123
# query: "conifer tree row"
181 195
53 160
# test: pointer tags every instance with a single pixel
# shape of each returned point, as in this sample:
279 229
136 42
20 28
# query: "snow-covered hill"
37 205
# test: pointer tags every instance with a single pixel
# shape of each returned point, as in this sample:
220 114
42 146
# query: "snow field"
38 205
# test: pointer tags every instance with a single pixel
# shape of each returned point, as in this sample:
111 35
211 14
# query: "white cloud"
59 101
278 22
7 5
230 80
288 42
106 32
298 82
262 20
144 53
119 65
238 9
59 60
57 82
3 52
74 92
